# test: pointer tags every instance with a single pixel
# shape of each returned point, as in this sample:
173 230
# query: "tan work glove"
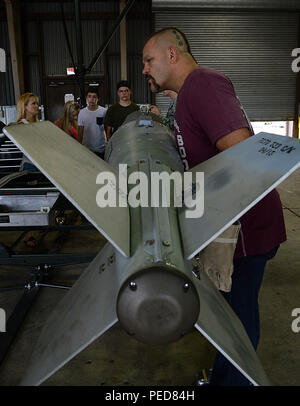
217 258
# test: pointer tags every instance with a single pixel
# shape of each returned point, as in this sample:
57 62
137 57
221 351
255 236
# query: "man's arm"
232 138
80 133
108 131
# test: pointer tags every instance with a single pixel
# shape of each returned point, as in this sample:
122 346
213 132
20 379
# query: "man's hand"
108 131
80 133
154 110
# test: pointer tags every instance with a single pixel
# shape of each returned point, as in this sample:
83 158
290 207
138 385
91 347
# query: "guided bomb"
144 276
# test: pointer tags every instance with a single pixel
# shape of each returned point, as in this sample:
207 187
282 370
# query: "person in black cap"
117 113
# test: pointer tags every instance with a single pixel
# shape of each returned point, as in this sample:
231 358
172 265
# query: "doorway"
58 87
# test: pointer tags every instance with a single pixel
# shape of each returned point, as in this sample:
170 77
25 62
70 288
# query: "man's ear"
172 54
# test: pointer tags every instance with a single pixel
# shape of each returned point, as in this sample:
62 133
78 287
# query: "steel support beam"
123 43
14 31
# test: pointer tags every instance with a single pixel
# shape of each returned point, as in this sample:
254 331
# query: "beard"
154 86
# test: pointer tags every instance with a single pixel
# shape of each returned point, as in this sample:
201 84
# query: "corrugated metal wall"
252 48
227 4
56 55
43 29
137 34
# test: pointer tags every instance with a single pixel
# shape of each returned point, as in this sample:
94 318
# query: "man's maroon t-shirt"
207 108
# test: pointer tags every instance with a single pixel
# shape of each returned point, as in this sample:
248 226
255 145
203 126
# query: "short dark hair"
92 90
180 37
123 83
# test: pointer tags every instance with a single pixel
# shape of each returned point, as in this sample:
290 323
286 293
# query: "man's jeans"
246 281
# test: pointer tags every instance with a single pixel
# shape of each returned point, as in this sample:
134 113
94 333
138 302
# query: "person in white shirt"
90 124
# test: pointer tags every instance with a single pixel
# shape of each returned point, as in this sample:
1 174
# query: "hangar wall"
252 47
46 54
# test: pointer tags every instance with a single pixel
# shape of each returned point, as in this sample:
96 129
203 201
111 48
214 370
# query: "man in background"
117 113
90 124
168 120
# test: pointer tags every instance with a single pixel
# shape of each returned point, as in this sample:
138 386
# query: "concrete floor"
116 359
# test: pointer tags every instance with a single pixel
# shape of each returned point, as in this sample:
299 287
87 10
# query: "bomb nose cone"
158 305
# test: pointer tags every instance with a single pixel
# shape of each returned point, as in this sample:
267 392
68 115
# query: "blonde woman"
68 120
27 112
27 108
